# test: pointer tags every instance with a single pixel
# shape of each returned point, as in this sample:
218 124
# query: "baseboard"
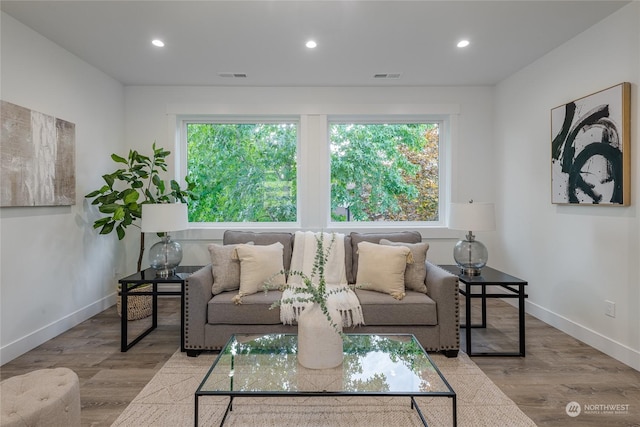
612 348
44 334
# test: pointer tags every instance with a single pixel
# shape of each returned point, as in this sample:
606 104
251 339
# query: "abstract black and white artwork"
590 162
37 155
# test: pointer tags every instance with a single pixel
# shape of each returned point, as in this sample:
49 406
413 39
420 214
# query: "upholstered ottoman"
47 397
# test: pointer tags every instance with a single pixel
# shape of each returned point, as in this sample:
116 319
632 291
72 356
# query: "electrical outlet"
610 308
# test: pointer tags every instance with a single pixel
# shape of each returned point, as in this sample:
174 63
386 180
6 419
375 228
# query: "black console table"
514 287
145 277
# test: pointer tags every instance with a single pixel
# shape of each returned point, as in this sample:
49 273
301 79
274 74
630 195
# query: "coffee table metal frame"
450 393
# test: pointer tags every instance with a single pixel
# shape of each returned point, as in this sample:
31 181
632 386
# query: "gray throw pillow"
416 272
225 269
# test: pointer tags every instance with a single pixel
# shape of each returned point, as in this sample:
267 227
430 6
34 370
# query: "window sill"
213 233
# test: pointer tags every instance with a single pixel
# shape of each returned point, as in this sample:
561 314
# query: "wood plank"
558 369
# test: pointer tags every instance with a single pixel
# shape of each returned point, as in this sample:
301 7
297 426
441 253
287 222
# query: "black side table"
490 277
145 277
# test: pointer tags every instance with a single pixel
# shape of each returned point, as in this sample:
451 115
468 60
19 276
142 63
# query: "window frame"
443 142
313 155
182 167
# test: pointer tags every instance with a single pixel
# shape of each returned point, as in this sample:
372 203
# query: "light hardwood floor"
557 369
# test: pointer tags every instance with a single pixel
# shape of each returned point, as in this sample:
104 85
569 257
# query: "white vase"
319 343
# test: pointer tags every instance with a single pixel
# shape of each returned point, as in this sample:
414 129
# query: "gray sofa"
433 317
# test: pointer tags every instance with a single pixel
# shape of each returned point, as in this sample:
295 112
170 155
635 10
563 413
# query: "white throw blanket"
341 297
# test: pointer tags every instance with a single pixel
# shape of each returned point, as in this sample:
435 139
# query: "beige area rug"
168 400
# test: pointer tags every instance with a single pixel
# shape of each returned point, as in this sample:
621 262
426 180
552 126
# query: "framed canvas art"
590 161
37 154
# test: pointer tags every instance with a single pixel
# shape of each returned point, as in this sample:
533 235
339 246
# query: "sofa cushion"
381 309
382 268
260 266
416 272
404 236
266 238
254 309
225 268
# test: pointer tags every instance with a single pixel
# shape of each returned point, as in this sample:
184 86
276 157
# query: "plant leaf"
109 208
130 196
118 159
120 231
108 228
109 179
118 215
100 222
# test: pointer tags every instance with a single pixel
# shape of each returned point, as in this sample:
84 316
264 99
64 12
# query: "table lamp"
165 255
470 254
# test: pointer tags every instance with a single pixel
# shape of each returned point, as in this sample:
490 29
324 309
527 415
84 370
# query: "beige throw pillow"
260 265
416 271
381 268
225 268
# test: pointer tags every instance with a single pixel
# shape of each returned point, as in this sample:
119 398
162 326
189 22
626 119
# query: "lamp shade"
472 216
164 217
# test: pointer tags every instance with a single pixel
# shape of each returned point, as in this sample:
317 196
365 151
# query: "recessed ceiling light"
463 43
157 43
311 44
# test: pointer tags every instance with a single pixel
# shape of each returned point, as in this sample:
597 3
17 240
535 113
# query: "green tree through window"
384 172
247 172
243 172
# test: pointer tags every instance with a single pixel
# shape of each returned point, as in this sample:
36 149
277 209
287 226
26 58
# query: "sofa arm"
442 287
197 293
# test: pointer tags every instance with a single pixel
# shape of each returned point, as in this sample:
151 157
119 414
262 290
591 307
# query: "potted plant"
127 189
130 186
319 324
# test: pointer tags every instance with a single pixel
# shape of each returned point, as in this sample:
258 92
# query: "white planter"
319 344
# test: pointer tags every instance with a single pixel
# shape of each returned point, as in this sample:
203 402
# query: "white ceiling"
265 39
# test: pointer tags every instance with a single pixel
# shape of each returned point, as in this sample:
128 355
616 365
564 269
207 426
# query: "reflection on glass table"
374 365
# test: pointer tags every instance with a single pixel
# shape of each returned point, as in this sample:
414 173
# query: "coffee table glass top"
373 364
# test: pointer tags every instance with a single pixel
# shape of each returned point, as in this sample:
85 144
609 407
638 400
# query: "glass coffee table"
373 365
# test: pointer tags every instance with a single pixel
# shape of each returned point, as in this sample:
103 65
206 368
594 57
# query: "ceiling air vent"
233 75
386 76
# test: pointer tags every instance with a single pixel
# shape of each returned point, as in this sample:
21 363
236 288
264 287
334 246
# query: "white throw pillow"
260 265
416 271
381 268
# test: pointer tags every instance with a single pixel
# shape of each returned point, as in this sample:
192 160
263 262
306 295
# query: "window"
245 171
384 171
316 171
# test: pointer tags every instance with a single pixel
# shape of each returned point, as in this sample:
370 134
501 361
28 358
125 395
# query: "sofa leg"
193 353
450 353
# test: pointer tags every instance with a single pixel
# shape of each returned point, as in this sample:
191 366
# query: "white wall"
55 270
574 257
56 266
151 113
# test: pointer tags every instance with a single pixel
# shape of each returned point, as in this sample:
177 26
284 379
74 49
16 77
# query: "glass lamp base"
165 256
471 256
165 272
471 271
